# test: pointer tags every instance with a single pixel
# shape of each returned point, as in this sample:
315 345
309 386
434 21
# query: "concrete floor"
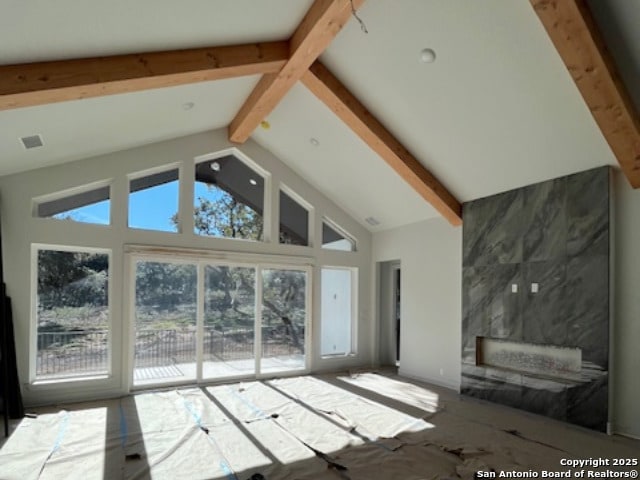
465 436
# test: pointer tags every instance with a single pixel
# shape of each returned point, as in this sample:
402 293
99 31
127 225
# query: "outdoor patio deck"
182 372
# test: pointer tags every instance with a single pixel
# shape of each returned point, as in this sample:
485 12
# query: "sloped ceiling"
497 110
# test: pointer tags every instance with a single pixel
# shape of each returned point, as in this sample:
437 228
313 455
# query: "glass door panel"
165 323
229 322
284 314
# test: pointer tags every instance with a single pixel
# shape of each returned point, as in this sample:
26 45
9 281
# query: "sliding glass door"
229 321
202 320
165 323
284 314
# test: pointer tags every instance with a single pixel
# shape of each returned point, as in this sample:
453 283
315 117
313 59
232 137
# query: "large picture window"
72 322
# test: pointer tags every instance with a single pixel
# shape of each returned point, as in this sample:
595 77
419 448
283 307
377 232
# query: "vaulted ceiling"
369 124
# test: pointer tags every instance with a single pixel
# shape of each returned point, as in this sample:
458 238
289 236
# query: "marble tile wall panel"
588 213
544 221
587 404
550 403
502 389
544 314
490 308
587 298
491 230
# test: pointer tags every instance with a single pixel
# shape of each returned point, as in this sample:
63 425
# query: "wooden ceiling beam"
319 27
324 85
574 33
48 82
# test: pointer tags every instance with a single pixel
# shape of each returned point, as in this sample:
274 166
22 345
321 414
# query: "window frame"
153 171
338 229
267 204
304 204
33 330
69 192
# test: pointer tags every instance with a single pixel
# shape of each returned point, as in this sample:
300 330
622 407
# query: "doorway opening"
389 295
396 309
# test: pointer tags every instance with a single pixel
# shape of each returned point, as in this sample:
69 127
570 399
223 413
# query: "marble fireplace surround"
536 272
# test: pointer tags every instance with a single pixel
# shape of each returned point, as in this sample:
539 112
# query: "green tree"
222 215
72 279
165 285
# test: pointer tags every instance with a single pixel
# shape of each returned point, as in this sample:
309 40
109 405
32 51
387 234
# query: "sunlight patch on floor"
402 391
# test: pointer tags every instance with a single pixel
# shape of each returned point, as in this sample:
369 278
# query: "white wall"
430 255
20 230
626 324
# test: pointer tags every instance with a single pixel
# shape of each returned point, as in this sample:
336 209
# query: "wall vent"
32 141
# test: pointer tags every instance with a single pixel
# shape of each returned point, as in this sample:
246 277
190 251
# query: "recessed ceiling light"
252 181
215 166
314 141
427 55
188 105
372 221
32 141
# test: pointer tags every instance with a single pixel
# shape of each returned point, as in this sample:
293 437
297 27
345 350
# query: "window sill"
338 356
52 382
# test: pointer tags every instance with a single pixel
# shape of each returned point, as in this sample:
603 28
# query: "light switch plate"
514 288
534 288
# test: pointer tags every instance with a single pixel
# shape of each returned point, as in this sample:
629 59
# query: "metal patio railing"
85 351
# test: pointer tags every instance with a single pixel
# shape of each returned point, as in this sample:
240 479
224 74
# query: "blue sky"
153 208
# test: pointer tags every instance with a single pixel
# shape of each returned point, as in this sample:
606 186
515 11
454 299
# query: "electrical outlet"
441 372
534 288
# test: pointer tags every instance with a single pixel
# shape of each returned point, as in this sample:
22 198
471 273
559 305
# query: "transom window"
91 205
153 201
294 220
333 238
228 199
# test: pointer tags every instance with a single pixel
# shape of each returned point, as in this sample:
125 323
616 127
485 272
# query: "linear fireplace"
543 360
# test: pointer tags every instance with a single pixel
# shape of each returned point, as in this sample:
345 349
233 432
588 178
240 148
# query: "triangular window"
333 238
89 206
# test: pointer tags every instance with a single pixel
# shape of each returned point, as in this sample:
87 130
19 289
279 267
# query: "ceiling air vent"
32 141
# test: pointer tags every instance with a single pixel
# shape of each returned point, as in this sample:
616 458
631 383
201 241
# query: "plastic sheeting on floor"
357 427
